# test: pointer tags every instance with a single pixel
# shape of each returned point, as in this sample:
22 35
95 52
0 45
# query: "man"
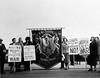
27 63
2 56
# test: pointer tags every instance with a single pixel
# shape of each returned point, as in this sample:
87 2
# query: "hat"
27 38
1 39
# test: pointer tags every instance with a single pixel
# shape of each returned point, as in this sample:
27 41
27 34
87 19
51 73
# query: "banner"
29 53
73 41
84 47
47 43
14 53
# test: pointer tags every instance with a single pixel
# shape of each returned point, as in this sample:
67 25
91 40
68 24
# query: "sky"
79 18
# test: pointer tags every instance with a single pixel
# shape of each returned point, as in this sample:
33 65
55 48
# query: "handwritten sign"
29 53
14 53
73 50
84 47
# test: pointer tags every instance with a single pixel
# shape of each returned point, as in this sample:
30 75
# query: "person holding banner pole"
27 63
2 56
12 64
65 51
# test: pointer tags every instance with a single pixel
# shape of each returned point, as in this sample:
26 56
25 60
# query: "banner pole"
30 66
14 67
85 61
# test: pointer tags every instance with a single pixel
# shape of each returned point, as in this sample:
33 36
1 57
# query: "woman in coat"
65 51
92 58
11 64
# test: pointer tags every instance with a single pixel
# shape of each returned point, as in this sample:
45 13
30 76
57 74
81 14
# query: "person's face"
64 40
20 39
97 38
14 41
27 40
92 38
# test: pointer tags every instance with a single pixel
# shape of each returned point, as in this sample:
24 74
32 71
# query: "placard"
14 53
73 50
73 46
73 41
29 53
84 47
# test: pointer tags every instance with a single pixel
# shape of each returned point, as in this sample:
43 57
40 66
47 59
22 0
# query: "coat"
2 53
93 56
65 51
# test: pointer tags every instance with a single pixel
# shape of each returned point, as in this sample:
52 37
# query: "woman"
92 58
65 51
20 43
11 64
27 63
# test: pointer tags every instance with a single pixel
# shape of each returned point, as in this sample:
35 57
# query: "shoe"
90 70
95 70
66 68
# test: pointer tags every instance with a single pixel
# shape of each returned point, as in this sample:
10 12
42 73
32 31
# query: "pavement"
76 71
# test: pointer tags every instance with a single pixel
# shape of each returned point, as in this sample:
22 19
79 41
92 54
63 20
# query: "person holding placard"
11 64
27 63
2 56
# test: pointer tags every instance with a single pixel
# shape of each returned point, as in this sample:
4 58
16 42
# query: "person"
27 63
11 64
98 41
78 59
20 42
92 58
2 56
65 51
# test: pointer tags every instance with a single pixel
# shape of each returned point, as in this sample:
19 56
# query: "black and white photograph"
49 38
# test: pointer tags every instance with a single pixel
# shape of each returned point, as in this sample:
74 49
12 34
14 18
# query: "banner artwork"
47 46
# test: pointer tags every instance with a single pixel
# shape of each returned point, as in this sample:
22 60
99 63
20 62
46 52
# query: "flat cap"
1 39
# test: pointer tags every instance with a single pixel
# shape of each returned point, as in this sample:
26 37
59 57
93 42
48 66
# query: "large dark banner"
47 46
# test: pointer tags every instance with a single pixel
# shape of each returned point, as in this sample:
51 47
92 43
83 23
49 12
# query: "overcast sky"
81 18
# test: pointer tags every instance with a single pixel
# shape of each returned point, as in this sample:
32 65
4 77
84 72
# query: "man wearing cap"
2 56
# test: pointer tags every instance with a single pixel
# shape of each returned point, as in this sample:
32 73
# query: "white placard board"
73 50
29 53
84 47
14 53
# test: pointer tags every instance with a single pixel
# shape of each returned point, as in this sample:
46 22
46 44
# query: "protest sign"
73 46
29 53
14 53
73 41
84 47
73 50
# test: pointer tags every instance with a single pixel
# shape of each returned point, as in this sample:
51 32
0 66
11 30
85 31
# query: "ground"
77 71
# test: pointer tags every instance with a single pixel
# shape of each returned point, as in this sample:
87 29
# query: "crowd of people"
14 66
94 55
92 58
